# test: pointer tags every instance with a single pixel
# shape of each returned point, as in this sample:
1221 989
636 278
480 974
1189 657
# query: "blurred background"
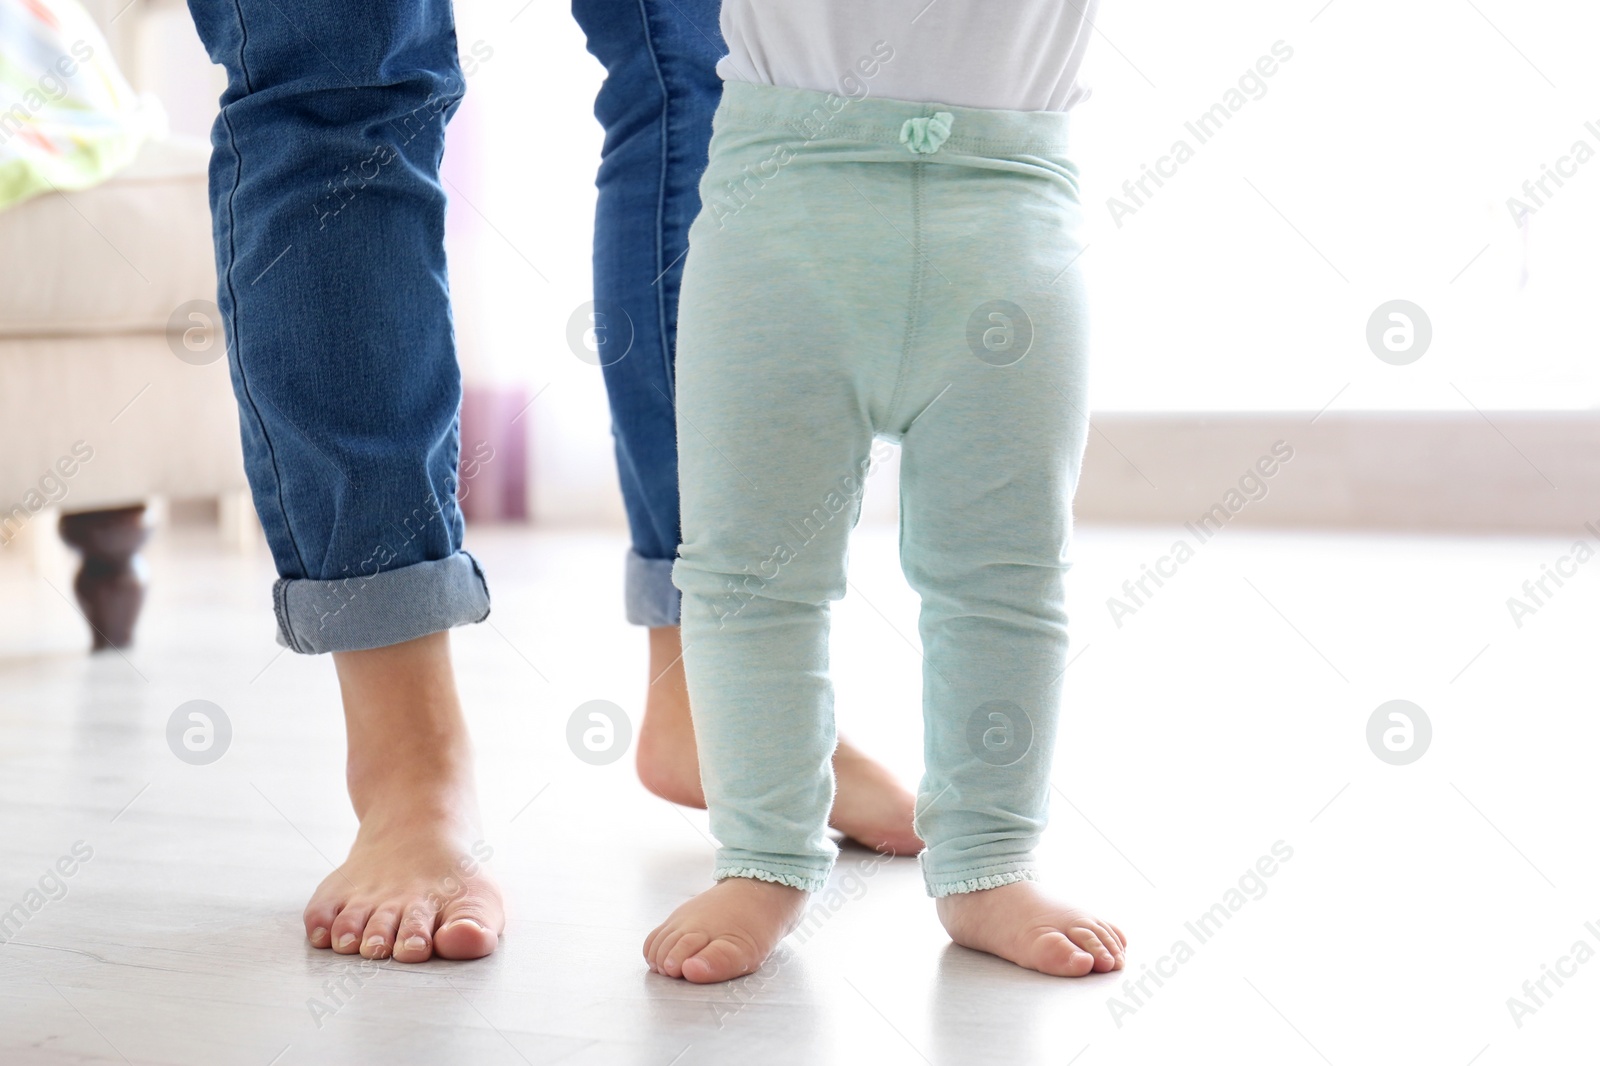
1378 257
1377 162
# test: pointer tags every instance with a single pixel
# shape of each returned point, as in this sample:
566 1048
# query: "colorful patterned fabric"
68 118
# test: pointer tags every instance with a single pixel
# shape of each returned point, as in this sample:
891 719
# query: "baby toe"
1087 939
676 951
720 960
1055 954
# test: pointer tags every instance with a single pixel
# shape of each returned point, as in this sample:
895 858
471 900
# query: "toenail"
375 943
466 921
415 943
318 933
346 940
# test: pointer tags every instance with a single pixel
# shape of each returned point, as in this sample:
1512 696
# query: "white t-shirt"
1011 55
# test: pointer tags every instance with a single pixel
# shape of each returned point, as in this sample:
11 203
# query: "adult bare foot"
665 755
1019 922
869 805
725 932
414 885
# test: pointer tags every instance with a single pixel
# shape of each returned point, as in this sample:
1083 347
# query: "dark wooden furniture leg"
110 584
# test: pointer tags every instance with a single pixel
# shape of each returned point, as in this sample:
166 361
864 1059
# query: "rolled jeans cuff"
390 607
652 598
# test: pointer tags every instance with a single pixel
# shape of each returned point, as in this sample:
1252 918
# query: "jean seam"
665 126
488 604
280 607
233 301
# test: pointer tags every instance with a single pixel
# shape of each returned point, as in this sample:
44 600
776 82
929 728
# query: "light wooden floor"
1226 715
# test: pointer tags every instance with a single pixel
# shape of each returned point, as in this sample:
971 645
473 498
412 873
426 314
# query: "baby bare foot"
725 932
869 805
414 885
1020 923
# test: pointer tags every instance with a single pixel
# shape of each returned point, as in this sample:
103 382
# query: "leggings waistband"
904 129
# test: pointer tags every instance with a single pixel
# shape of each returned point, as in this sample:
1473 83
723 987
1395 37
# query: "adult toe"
347 928
318 917
469 928
377 939
413 942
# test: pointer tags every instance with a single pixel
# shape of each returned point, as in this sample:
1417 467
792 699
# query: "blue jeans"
329 223
660 92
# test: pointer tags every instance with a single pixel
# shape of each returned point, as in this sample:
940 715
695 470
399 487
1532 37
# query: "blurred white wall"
1390 141
1373 164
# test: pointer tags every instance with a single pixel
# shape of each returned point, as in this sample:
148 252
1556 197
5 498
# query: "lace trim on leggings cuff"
978 884
804 884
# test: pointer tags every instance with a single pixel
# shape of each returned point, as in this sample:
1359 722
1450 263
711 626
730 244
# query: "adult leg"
656 106
329 223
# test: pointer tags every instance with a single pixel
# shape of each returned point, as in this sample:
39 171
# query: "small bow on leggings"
925 135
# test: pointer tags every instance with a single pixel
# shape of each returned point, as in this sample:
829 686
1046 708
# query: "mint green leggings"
877 269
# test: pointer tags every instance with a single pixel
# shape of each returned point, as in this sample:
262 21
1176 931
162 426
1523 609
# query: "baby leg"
774 441
988 472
